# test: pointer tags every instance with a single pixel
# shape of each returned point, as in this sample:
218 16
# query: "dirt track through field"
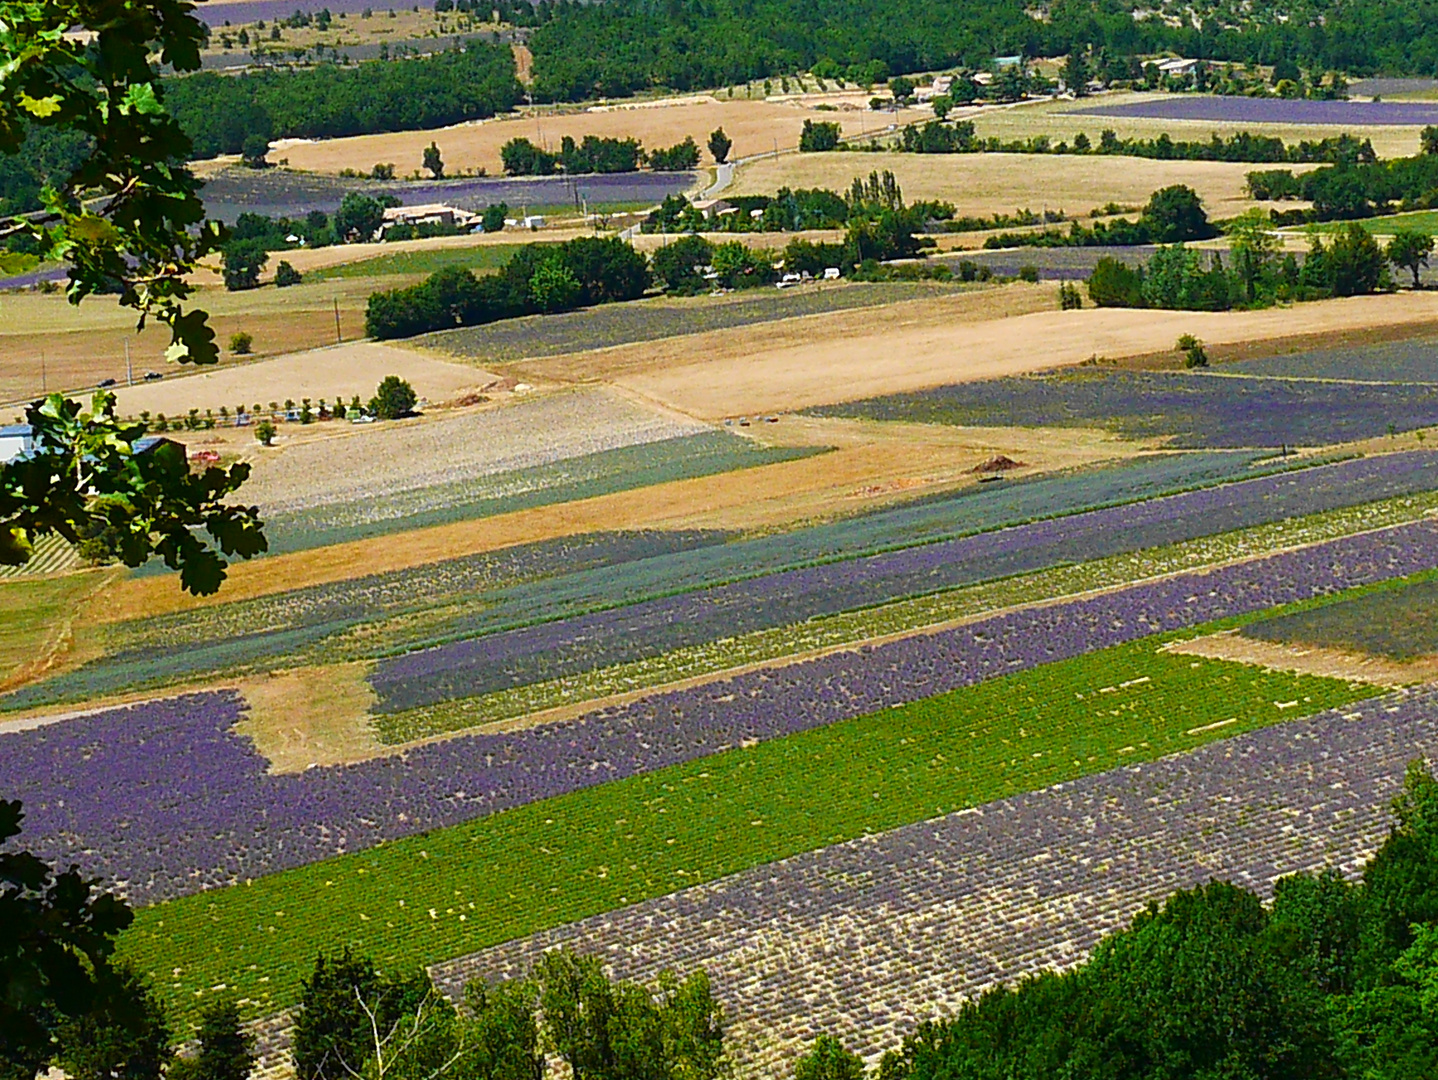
739 375
1308 659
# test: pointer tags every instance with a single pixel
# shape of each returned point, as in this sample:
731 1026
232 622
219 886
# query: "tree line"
1355 189
218 112
596 154
617 48
937 137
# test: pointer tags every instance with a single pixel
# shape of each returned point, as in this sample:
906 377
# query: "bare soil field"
983 184
346 370
1308 660
873 465
757 127
1057 120
747 372
80 346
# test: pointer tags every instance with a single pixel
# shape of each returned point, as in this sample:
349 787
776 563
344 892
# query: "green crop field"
435 896
480 257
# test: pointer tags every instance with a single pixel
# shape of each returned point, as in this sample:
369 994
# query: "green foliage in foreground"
456 890
1334 979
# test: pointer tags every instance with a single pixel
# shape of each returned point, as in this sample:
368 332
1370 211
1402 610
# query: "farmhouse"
429 214
713 209
1177 66
16 440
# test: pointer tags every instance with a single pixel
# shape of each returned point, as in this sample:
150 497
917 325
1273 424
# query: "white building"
15 441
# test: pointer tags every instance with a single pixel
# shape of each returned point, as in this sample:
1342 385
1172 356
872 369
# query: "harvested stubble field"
756 127
1189 408
651 320
789 366
81 346
642 837
1395 623
407 455
1062 120
874 935
336 371
981 185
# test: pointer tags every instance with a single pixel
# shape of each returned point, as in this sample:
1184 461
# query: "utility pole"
339 340
129 370
44 388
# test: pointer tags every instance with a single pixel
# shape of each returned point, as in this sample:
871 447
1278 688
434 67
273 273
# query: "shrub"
286 275
1028 272
493 219
817 137
393 398
1070 299
1194 354
265 433
241 343
243 261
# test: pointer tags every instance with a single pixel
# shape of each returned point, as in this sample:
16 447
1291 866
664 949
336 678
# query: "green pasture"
1424 221
456 890
481 257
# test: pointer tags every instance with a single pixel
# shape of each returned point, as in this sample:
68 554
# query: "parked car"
106 382
151 376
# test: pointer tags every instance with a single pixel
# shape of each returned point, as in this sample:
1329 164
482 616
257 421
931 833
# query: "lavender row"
640 631
164 799
865 939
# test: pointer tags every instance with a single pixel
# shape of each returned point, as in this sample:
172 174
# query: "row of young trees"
1331 980
595 154
1177 277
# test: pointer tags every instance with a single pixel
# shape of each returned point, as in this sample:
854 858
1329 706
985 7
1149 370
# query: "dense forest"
622 46
219 111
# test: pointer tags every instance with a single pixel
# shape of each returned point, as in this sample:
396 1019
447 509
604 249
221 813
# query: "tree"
286 275
676 158
1410 249
1429 139
126 211
241 342
493 219
253 153
1076 74
1115 284
828 1060
942 103
55 952
1252 242
358 218
84 475
1175 214
127 1038
720 145
503 1030
1357 265
265 433
553 285
522 158
393 398
244 261
820 136
433 162
679 265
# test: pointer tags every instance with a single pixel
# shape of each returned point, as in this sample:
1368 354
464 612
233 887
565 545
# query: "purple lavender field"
555 649
1228 110
163 799
871 936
